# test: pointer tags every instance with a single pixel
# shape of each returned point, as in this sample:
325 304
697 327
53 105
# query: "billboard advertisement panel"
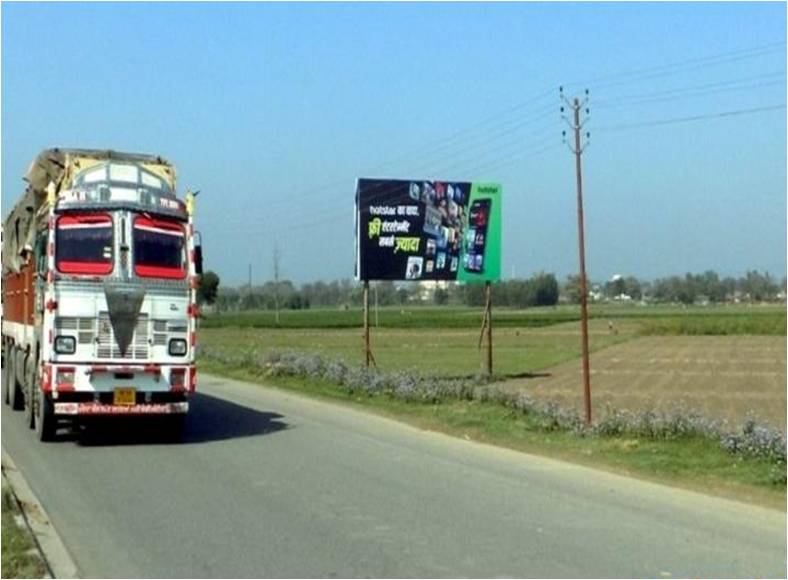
428 230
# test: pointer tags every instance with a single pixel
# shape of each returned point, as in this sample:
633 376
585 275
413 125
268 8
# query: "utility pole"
576 125
276 282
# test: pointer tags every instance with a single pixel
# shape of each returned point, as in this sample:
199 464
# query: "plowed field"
723 377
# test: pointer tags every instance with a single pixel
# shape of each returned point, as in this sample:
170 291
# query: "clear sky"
273 111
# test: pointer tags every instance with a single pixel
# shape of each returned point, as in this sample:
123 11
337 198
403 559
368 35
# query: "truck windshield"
83 244
159 248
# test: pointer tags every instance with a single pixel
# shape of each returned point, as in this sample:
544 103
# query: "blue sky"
273 111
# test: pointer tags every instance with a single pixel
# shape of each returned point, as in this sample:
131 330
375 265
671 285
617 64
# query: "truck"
100 267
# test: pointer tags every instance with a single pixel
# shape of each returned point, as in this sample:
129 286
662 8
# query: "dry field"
722 377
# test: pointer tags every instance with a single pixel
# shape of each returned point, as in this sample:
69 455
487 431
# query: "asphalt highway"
269 484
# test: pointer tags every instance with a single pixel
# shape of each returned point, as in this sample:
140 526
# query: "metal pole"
582 250
488 316
367 351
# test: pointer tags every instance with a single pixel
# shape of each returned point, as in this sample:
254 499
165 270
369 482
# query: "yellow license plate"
125 396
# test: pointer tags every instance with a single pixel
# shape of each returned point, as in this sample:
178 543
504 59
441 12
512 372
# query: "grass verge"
20 558
695 463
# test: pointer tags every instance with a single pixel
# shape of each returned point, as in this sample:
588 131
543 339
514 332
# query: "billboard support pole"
488 318
366 323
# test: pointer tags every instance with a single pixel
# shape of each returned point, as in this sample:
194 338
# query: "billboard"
428 230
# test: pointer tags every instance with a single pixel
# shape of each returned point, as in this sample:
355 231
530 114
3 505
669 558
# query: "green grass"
692 463
445 341
433 351
390 317
757 323
19 559
658 319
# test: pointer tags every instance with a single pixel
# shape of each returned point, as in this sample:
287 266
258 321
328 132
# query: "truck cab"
113 274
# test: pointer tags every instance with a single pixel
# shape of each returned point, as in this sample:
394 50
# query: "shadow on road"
214 419
209 419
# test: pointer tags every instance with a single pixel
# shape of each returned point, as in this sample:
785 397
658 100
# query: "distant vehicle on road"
100 269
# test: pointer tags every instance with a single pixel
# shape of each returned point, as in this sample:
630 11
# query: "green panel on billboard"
481 248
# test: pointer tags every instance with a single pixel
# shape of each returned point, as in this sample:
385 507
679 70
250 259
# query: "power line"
431 146
690 119
345 213
507 126
681 66
690 91
430 168
448 142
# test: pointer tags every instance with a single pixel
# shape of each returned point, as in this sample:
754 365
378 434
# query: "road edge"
53 551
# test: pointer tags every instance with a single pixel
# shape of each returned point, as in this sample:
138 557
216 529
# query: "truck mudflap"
94 408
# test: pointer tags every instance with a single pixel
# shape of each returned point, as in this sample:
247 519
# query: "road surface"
269 484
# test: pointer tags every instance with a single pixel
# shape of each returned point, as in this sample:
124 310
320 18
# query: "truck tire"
45 419
30 386
30 417
16 395
6 374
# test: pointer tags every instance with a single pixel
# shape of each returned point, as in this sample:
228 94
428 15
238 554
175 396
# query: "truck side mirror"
198 259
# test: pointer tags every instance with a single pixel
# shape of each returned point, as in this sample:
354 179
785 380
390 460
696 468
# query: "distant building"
427 288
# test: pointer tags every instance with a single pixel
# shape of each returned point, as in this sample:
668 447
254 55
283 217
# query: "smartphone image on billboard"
476 237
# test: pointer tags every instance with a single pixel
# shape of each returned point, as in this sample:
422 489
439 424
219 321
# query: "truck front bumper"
94 408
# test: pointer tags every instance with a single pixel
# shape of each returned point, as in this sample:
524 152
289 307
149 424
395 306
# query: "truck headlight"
65 345
177 347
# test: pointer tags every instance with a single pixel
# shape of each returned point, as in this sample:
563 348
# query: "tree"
473 294
207 287
571 289
632 287
615 287
276 257
759 286
545 289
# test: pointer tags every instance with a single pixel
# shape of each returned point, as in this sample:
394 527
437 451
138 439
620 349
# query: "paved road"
270 484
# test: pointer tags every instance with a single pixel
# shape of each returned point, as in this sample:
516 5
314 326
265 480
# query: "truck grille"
84 327
108 348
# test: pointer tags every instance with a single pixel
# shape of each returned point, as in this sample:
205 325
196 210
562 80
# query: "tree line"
541 289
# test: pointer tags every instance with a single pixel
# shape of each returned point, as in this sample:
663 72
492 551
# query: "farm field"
725 362
721 377
428 351
655 319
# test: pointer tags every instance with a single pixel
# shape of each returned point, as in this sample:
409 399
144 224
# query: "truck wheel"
30 417
6 374
17 396
45 419
31 386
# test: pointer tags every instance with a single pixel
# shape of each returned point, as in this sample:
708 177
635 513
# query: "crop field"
716 320
430 351
725 362
721 377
